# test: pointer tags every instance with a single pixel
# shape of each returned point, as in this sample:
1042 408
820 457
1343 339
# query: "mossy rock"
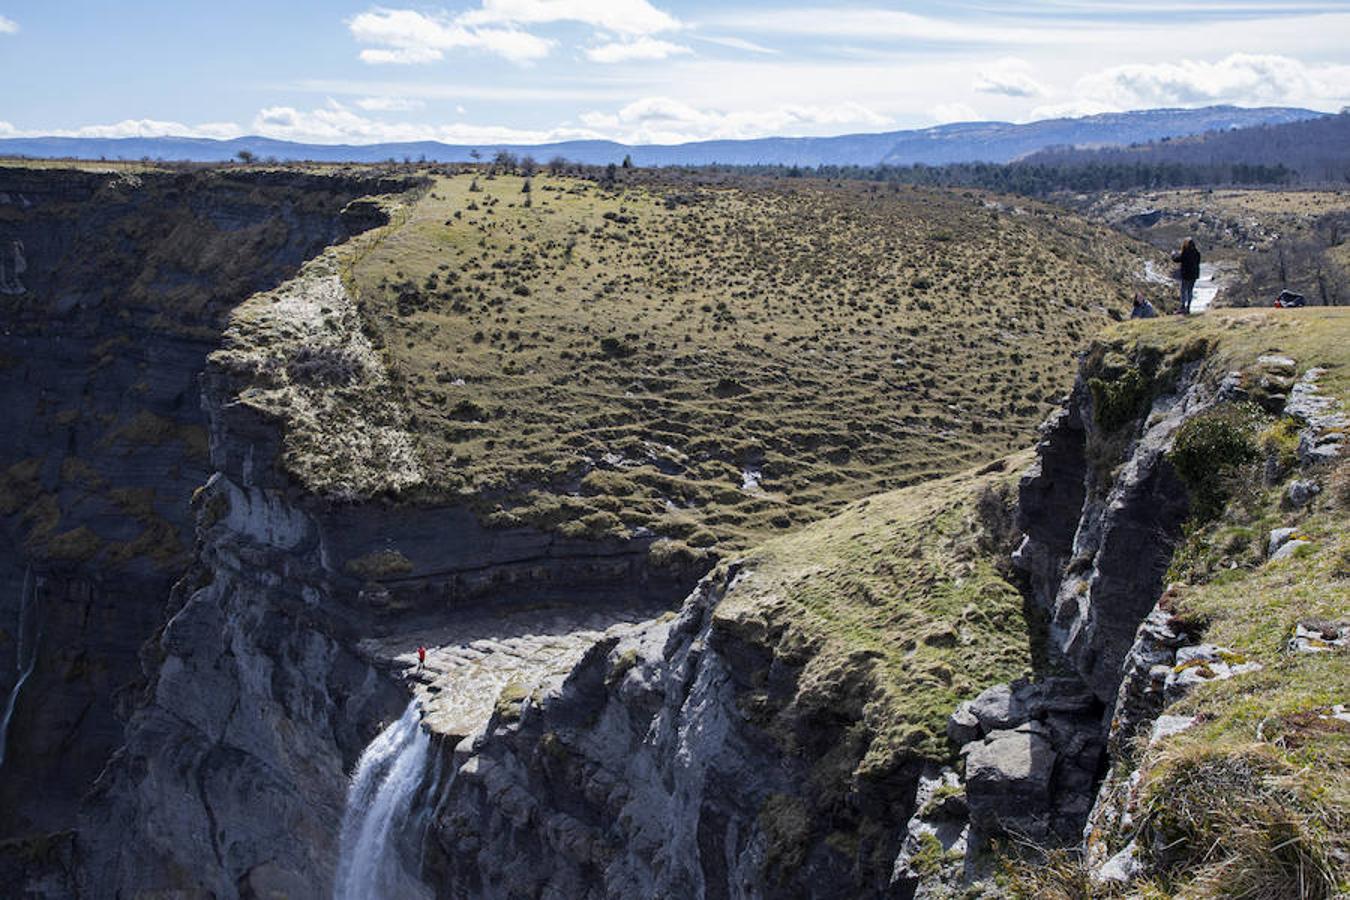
380 564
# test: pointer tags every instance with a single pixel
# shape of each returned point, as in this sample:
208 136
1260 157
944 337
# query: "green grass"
899 596
852 640
604 359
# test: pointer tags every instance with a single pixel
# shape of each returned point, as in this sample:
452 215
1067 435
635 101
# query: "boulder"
1166 726
1278 538
1320 637
1198 664
1289 548
1300 493
1008 779
1002 706
962 726
1119 869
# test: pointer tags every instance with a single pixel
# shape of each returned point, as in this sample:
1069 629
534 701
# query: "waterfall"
380 828
25 654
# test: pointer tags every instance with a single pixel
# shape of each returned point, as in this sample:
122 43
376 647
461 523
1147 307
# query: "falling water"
25 656
380 820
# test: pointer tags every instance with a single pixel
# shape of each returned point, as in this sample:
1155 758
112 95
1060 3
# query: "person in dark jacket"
1189 259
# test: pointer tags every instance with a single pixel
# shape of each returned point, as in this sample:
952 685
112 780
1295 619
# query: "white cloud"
631 17
389 104
409 37
1239 78
405 36
401 56
335 123
513 93
8 26
1009 77
130 128
644 48
945 113
736 43
663 120
866 24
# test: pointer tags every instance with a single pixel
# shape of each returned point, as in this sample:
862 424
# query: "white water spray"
379 818
25 656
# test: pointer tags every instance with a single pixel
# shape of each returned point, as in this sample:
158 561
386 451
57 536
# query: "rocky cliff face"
114 290
228 669
638 775
263 688
645 773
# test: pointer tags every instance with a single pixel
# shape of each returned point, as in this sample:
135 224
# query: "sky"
643 71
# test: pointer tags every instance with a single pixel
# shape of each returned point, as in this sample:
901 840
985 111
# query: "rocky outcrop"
638 775
1098 569
1168 658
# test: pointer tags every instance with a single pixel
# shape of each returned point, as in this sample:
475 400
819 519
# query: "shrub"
1279 443
1118 401
380 564
1209 449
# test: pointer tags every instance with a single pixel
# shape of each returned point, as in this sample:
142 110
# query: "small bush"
1050 875
380 564
1209 449
1118 401
1279 443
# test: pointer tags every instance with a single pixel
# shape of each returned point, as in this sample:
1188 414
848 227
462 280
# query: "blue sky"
643 70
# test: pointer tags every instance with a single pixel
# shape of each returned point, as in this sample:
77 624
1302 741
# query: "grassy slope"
603 360
853 639
900 595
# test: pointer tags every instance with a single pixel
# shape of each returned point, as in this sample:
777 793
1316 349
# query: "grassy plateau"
717 362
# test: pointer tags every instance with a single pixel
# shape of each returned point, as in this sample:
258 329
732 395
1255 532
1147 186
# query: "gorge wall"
115 288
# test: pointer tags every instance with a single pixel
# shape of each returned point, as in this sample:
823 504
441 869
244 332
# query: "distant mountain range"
996 142
1317 150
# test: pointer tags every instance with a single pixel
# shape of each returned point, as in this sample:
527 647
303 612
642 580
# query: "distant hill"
1317 150
996 142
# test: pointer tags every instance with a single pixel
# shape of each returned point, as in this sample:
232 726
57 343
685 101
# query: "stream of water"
25 656
380 826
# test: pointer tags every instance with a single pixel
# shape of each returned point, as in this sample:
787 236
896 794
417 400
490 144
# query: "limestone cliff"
877 705
115 288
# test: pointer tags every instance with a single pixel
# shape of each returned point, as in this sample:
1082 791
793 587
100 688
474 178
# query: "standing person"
421 658
1189 258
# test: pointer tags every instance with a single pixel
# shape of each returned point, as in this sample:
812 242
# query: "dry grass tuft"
1241 822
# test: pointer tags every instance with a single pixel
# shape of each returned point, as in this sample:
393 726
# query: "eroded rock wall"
638 775
113 289
261 691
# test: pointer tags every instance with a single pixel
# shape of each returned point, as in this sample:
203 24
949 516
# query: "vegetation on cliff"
715 363
870 627
1252 796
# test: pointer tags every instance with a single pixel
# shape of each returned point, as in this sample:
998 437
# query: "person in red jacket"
1189 259
421 658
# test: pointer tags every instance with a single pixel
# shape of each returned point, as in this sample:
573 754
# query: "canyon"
223 548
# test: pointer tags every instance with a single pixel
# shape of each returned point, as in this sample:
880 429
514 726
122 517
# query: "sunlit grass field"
717 362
